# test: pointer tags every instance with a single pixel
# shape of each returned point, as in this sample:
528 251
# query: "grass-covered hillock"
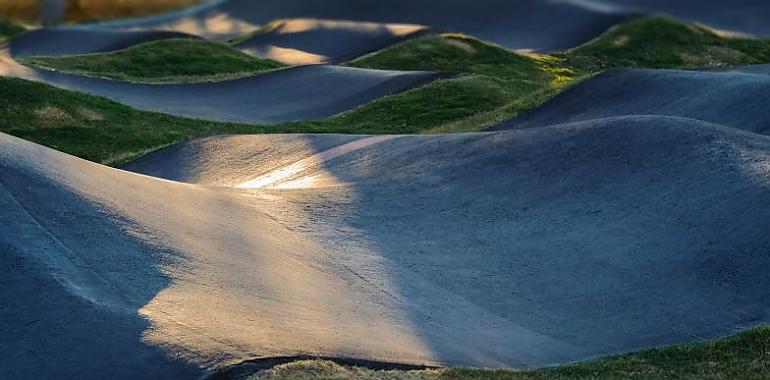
173 60
662 42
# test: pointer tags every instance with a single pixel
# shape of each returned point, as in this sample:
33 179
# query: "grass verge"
165 61
743 356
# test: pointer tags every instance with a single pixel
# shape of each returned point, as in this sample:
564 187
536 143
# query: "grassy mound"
174 60
8 29
95 128
662 42
744 356
492 84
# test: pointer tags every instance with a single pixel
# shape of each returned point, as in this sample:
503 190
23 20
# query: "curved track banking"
69 41
541 25
520 248
297 93
306 41
731 98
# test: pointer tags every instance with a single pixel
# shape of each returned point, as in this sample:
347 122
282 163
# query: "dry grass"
90 10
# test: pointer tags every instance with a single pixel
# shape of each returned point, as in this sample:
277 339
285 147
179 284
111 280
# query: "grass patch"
95 128
9 29
743 356
662 42
165 61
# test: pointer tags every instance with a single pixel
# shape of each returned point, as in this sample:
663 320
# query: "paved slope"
303 92
305 41
536 247
68 41
731 98
523 24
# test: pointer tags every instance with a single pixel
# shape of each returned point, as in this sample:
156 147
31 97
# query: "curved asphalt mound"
541 25
69 41
297 93
732 98
521 248
306 41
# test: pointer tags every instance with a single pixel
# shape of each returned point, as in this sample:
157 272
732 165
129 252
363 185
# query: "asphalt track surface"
306 41
68 41
297 93
524 24
735 98
521 248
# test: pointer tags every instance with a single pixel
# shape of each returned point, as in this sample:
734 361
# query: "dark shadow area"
73 281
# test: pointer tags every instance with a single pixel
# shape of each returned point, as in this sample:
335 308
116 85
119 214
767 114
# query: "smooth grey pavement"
522 248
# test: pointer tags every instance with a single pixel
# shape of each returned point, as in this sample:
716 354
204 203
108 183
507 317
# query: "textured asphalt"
522 248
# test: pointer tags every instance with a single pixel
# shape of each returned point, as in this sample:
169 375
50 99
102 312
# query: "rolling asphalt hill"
470 249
